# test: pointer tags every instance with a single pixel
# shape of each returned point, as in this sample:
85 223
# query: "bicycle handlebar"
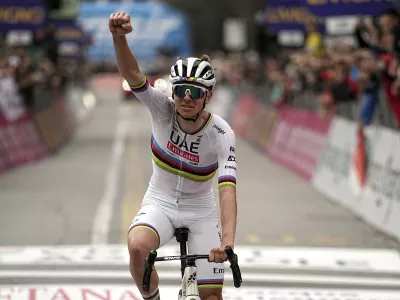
233 260
152 258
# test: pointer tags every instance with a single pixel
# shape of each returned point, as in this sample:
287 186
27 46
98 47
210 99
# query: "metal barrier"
308 100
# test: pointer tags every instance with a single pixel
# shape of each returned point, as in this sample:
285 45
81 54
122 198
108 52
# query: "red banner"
261 125
244 109
20 142
298 139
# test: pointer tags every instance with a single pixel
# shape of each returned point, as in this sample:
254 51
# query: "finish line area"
91 272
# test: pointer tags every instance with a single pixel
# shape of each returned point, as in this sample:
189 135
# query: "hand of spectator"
392 69
395 88
120 24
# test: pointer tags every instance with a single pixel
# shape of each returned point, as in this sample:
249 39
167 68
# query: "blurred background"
311 89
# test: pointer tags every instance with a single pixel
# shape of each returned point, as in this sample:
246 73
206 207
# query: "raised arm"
120 25
155 100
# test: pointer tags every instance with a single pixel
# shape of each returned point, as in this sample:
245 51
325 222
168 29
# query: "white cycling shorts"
204 234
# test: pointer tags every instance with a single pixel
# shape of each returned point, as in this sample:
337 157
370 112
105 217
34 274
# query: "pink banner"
20 142
244 109
298 140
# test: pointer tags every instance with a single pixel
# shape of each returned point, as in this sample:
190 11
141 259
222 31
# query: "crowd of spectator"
37 67
364 74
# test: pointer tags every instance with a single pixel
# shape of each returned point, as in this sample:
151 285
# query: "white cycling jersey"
180 191
184 164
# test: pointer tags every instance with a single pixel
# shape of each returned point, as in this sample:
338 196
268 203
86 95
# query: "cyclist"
188 145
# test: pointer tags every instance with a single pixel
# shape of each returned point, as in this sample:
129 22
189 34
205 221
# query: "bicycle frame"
189 289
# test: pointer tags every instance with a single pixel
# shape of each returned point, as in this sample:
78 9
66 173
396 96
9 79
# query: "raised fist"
120 23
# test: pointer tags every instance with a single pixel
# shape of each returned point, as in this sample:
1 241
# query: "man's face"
387 23
189 99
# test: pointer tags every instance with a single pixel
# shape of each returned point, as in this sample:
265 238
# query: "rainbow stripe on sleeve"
226 180
141 87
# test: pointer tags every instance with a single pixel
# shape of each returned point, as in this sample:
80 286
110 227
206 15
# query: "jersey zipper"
180 177
178 188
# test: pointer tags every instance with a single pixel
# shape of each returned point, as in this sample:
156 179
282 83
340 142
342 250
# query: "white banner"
343 164
331 176
381 196
341 25
393 224
10 101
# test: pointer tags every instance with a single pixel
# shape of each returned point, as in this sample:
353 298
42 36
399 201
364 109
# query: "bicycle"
189 289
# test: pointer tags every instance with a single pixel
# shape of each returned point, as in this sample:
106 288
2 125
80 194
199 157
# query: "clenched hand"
120 24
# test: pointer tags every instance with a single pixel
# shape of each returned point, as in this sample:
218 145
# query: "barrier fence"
357 167
29 135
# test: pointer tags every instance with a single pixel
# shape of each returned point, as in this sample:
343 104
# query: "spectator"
313 40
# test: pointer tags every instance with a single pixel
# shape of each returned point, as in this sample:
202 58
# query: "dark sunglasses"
194 91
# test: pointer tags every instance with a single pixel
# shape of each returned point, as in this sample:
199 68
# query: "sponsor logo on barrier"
381 195
332 173
384 179
337 160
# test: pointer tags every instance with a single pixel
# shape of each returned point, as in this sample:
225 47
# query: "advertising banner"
298 139
261 125
245 107
332 173
21 142
295 14
155 25
381 195
22 15
71 39
393 223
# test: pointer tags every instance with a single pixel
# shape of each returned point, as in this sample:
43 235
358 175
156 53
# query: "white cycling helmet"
194 70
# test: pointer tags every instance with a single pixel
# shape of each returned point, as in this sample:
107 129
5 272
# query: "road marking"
134 186
289 239
104 211
329 240
253 239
